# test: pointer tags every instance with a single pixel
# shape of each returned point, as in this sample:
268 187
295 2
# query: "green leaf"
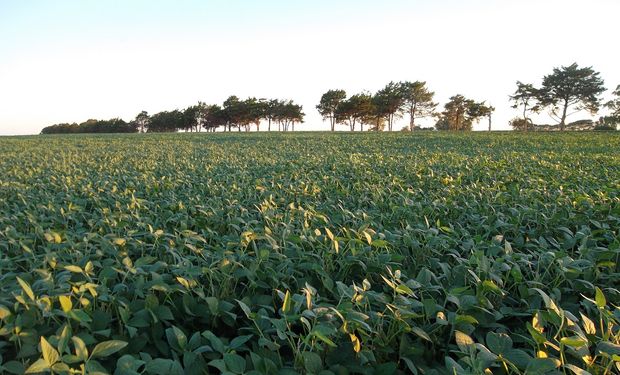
312 362
404 289
161 366
542 365
608 347
549 303
576 370
518 358
573 342
80 348
14 367
50 354
128 364
62 368
498 343
491 286
63 340
537 336
176 337
234 363
588 325
238 341
80 316
245 308
107 348
39 366
420 332
600 299
215 341
318 334
26 287
453 366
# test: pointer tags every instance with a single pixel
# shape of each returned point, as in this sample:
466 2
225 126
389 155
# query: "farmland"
310 253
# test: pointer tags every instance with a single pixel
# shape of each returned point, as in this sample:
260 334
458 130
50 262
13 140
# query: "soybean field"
310 253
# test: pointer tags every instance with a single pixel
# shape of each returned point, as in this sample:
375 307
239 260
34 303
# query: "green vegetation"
318 253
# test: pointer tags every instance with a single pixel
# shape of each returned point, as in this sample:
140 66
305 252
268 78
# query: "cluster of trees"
233 114
565 91
395 100
115 125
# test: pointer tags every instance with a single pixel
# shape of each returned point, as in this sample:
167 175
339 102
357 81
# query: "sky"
68 61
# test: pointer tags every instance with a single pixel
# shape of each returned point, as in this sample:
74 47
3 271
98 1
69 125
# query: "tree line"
414 99
567 90
234 113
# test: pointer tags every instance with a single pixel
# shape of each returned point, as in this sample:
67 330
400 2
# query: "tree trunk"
412 111
489 122
332 122
269 126
563 120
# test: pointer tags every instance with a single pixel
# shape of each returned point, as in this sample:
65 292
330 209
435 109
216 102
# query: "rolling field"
316 253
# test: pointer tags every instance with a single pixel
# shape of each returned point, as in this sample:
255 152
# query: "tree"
166 121
287 114
253 112
191 118
571 87
526 96
269 111
357 109
215 117
329 104
345 114
114 125
417 101
614 104
142 121
612 120
459 114
234 112
64 128
366 110
388 103
521 124
480 110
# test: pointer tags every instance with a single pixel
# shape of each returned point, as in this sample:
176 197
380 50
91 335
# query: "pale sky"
68 61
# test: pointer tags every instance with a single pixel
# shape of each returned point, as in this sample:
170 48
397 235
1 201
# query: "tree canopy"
571 87
460 113
526 97
417 101
328 106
